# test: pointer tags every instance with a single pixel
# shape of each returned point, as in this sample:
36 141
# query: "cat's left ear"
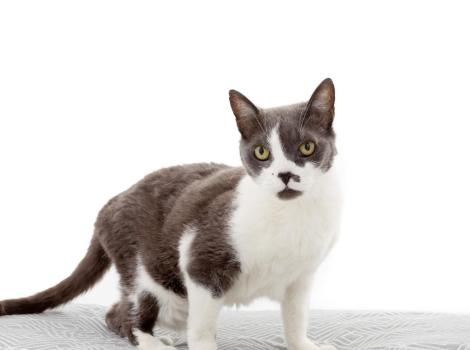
320 109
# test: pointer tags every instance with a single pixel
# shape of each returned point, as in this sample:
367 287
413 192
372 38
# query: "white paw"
166 340
148 342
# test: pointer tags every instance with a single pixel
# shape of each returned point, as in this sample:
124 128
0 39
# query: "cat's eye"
307 148
261 153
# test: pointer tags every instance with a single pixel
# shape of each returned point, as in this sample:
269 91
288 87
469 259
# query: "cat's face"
286 149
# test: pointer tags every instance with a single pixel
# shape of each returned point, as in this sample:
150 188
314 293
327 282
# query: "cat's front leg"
204 310
295 311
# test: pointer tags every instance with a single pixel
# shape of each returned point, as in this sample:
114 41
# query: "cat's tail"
88 272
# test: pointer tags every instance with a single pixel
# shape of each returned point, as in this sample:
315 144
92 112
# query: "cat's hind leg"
120 319
127 316
146 315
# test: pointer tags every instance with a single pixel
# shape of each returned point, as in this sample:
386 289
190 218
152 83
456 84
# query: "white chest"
278 241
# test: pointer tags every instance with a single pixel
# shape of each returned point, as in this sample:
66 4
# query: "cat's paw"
147 341
167 340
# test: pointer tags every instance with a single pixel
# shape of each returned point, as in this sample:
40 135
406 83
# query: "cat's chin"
288 193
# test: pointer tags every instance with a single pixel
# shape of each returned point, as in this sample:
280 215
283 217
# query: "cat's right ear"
246 114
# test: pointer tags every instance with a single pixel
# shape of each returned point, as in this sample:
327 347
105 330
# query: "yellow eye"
307 148
261 152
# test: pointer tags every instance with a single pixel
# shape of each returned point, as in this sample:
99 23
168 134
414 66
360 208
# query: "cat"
187 240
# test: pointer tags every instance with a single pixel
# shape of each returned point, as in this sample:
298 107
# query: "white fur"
148 342
295 314
203 314
183 249
279 241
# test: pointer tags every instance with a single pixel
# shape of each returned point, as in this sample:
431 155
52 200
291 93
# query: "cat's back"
167 184
146 205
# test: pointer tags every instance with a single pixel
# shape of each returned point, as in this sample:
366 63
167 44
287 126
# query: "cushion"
82 327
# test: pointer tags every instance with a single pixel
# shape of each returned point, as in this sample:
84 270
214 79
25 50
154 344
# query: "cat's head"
286 149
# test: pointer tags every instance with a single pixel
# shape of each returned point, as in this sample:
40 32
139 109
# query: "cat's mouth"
288 193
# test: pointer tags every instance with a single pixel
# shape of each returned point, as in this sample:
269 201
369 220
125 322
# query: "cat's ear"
246 114
320 108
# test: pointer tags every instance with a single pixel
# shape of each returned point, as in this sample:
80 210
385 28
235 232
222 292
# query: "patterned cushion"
82 327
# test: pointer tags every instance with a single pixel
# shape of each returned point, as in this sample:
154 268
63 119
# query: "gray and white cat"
187 240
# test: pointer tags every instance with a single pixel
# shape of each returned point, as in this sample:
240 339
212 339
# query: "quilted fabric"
83 327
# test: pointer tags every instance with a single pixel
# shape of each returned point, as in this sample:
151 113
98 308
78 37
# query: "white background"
95 94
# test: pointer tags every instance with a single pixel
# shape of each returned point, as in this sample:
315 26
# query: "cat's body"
187 240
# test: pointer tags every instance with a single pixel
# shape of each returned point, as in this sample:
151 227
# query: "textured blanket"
83 327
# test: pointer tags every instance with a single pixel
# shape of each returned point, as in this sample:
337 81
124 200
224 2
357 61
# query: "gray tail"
88 272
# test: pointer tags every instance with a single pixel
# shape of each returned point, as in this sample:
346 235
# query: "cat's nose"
285 177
